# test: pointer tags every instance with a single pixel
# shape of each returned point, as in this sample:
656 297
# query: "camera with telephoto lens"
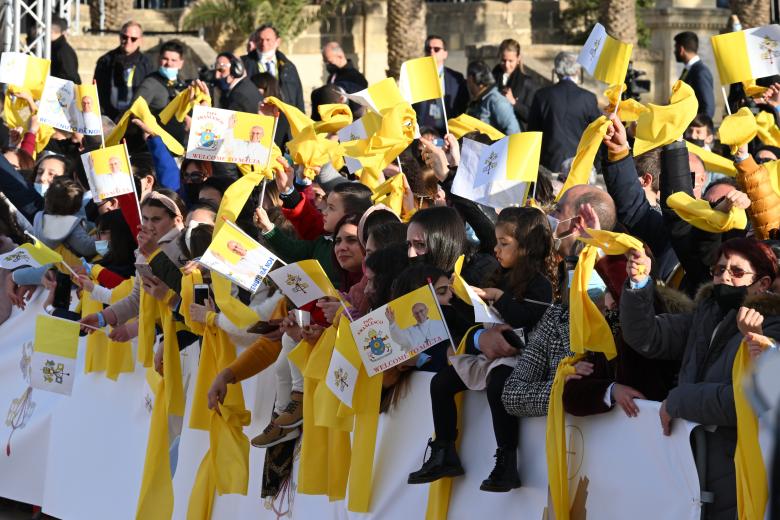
635 87
207 74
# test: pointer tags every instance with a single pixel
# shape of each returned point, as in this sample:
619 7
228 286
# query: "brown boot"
292 415
273 435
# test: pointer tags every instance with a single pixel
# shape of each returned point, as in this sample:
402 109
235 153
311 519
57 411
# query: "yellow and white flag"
363 128
749 54
378 97
419 80
604 57
53 364
303 282
22 70
108 172
35 255
483 313
344 365
513 158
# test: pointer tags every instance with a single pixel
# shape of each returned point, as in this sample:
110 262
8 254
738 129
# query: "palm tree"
405 32
752 13
619 19
116 13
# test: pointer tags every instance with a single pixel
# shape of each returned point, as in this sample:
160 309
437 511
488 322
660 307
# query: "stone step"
165 20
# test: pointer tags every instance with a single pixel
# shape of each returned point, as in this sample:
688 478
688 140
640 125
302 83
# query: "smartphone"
438 142
201 293
144 269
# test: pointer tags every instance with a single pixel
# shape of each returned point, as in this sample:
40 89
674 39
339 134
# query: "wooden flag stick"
444 112
725 98
268 160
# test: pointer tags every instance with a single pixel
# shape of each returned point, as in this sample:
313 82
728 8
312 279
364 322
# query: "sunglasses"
125 37
735 272
433 49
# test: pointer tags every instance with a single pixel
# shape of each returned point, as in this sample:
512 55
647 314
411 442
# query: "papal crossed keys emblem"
592 52
491 162
297 283
341 377
54 372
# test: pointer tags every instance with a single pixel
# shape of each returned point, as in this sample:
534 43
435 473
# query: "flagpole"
268 159
78 322
132 182
63 262
725 98
444 111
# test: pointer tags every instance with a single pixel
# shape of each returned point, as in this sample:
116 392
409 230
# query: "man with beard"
695 73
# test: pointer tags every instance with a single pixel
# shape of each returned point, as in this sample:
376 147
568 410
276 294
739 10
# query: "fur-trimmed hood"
767 303
674 300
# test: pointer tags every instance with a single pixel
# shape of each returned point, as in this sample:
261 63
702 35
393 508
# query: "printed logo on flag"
303 282
341 377
53 364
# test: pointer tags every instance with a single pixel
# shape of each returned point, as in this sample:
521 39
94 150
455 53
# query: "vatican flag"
363 128
513 158
749 54
303 282
36 255
604 57
22 70
464 124
379 96
53 364
344 365
419 80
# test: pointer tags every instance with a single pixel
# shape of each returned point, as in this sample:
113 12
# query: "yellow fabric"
174 385
767 130
663 124
613 61
588 328
35 75
522 158
225 466
458 283
419 80
97 342
712 161
555 446
155 500
297 119
395 134
731 57
147 316
333 117
701 215
390 193
181 105
753 90
42 253
232 201
119 359
42 138
439 491
628 109
464 124
586 153
13 107
752 490
313 150
383 95
738 128
140 110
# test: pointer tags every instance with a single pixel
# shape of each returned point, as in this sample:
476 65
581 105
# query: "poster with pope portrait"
229 136
108 172
70 107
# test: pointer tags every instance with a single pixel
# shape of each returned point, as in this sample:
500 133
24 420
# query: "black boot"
443 462
504 476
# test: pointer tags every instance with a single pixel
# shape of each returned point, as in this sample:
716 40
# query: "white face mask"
268 55
101 246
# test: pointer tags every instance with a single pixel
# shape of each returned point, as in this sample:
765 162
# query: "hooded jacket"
67 230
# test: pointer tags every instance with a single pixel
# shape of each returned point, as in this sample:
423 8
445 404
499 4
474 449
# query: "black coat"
699 78
243 97
109 74
561 112
456 99
64 62
523 88
348 78
289 81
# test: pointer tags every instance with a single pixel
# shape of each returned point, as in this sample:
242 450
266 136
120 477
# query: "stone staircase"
159 25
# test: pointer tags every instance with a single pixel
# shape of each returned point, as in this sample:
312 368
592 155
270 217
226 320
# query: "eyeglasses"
194 176
433 49
125 37
735 272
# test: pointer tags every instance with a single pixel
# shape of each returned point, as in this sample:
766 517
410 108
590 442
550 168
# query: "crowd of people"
678 308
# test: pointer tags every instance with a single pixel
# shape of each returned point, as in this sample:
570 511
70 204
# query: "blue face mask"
102 247
222 84
41 188
169 73
596 286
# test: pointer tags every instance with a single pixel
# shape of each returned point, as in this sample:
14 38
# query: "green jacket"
294 250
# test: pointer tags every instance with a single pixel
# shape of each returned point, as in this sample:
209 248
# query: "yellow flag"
333 117
181 105
751 89
586 153
464 124
742 55
628 109
391 193
41 253
313 150
604 57
380 96
768 132
23 70
738 128
13 106
663 124
701 215
712 161
140 110
419 80
748 460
